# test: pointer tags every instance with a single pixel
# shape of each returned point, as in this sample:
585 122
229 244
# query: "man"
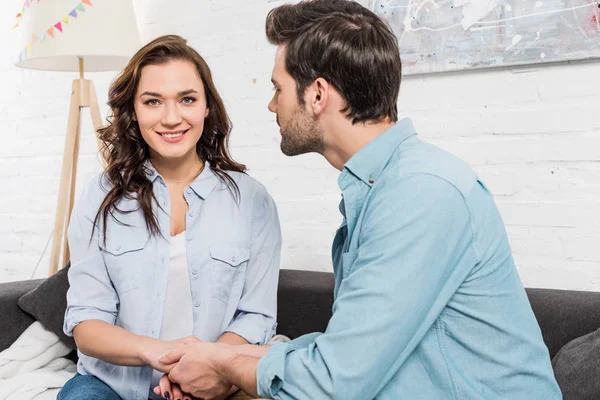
428 303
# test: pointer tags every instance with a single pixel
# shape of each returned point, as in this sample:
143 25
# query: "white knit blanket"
34 366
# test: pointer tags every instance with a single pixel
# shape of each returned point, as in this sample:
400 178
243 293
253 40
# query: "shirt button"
197 303
191 213
194 272
371 180
234 258
118 248
189 191
189 238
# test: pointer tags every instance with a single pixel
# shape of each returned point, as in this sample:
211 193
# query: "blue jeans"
86 387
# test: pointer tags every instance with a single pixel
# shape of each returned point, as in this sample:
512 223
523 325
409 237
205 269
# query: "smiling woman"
167 115
174 242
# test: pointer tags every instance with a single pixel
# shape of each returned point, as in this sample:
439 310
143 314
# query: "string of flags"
52 30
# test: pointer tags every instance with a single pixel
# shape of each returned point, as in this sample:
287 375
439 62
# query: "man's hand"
155 348
197 368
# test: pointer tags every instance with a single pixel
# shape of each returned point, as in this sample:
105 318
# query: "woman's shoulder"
248 185
94 192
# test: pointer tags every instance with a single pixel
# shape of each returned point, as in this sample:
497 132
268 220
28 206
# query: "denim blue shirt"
233 252
427 302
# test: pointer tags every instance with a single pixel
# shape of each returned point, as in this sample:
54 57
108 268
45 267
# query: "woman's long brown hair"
126 152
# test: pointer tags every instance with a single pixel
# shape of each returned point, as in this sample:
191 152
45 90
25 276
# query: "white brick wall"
532 133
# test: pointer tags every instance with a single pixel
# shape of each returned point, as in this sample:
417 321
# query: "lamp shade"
54 34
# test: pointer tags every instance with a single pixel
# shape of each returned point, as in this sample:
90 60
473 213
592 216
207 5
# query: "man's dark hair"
345 44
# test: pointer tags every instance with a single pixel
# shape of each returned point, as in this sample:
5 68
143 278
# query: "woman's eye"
188 100
151 102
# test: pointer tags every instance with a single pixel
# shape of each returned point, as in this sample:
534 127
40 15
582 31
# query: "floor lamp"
75 36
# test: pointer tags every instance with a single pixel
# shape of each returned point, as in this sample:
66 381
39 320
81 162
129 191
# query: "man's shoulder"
421 160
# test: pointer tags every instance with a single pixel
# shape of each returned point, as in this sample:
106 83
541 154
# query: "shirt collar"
368 163
203 185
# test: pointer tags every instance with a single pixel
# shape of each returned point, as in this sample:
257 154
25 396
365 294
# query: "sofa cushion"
47 303
577 367
14 321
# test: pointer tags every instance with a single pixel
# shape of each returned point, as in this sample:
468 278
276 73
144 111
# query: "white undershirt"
177 321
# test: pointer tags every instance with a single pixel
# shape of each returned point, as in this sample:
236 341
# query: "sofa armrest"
13 321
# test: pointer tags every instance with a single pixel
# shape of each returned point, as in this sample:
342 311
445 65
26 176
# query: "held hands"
152 352
195 367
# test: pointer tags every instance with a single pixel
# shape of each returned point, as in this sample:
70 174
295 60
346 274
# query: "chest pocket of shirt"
124 257
227 258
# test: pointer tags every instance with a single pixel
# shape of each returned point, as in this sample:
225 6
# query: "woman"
173 242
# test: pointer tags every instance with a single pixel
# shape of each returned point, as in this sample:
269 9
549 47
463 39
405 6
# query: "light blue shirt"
427 303
233 252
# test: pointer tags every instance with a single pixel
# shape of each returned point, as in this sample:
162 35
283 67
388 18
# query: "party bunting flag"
50 31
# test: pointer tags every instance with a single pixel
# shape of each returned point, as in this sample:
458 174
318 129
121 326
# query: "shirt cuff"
76 315
255 328
271 370
271 367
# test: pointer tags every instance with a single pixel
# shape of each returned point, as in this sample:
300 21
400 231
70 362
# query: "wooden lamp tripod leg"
67 176
88 99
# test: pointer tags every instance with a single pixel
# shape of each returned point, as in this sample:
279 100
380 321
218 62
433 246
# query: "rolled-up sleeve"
91 294
256 314
410 262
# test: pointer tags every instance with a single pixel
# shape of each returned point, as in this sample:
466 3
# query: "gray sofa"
306 298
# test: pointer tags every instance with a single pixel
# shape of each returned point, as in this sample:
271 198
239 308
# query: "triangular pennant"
26 3
50 32
29 48
88 2
65 19
42 37
80 7
33 37
58 26
73 13
19 15
16 26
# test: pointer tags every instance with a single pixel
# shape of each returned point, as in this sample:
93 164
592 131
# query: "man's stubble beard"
302 135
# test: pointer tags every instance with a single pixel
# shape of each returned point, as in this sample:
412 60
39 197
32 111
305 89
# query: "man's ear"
319 95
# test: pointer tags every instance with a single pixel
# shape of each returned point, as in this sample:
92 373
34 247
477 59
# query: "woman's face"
170 108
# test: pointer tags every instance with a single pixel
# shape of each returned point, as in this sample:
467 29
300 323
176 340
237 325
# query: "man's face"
299 129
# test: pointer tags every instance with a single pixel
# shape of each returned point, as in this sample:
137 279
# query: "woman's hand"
172 391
